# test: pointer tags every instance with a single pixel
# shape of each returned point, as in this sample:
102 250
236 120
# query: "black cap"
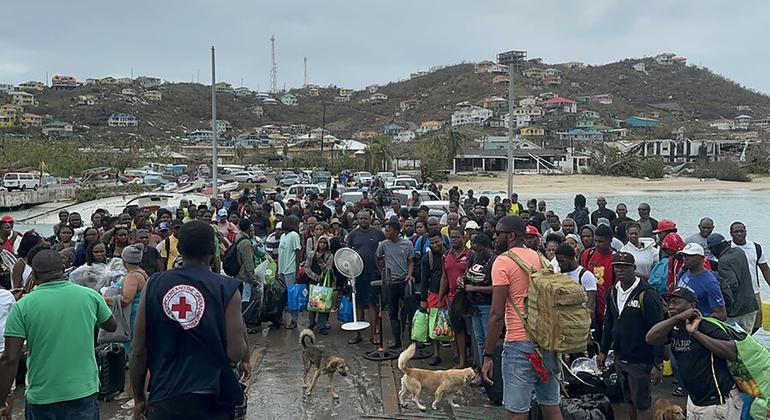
683 293
623 258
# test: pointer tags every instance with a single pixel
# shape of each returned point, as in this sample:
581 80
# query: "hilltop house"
7 121
31 120
427 127
152 95
528 101
495 103
124 81
723 124
222 126
122 120
346 92
639 122
57 129
470 115
584 123
373 88
198 136
667 59
343 99
6 87
409 104
109 80
549 80
520 120
500 79
588 114
148 82
392 129
640 67
552 72
91 81
223 87
63 82
604 99
10 109
533 73
404 136
32 85
575 65
85 100
258 111
241 91
289 99
483 66
128 92
565 104
378 98
365 135
742 122
22 98
532 131
314 92
582 134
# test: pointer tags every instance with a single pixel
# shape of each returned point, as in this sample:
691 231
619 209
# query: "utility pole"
515 61
214 186
323 127
305 84
511 100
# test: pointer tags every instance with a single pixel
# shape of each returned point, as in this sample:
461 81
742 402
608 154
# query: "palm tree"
380 151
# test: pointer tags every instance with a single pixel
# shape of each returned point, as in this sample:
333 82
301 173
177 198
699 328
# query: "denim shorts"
520 379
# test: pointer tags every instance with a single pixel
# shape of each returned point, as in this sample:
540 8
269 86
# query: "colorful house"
31 120
122 120
500 79
639 122
7 121
532 131
63 82
565 104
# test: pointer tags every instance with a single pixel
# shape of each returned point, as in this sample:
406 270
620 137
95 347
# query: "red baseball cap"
531 230
7 219
665 225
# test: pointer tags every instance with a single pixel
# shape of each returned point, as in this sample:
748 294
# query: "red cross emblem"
185 305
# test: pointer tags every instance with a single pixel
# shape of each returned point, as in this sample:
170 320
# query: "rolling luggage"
111 362
495 391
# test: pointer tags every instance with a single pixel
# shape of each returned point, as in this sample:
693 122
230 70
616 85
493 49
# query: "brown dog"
314 356
439 382
668 410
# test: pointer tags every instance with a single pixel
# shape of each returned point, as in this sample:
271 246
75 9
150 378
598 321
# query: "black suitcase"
111 361
495 391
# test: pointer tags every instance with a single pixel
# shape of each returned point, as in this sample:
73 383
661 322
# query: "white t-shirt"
277 209
6 303
645 257
588 280
623 295
751 256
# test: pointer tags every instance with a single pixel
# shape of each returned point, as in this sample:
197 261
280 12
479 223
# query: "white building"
470 115
122 120
640 67
519 121
665 59
723 124
346 92
148 82
198 136
742 122
528 101
21 98
289 100
223 126
5 88
404 136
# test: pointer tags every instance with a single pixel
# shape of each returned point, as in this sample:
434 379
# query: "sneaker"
445 343
678 392
434 361
291 325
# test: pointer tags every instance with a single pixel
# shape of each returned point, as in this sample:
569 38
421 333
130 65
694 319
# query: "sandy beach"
595 184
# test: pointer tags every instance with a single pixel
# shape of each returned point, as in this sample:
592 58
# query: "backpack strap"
518 260
580 276
758 249
641 303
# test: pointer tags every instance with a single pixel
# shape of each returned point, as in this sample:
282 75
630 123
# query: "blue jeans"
86 408
479 322
290 279
520 378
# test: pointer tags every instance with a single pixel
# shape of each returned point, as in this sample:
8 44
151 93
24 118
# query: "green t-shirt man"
287 253
58 319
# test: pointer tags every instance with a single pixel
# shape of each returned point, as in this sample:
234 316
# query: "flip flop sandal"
128 405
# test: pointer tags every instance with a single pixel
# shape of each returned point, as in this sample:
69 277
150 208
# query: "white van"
20 181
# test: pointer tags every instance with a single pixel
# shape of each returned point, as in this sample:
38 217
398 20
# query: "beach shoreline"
598 184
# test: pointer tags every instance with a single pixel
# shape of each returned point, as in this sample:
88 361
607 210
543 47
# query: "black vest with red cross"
185 324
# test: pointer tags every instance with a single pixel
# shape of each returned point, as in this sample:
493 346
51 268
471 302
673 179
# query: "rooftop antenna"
132 73
273 68
199 76
305 84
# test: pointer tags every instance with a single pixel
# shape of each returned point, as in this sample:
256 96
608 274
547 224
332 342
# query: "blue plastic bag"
659 277
345 310
297 297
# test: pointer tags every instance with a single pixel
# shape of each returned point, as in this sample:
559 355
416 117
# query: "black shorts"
366 294
634 380
190 406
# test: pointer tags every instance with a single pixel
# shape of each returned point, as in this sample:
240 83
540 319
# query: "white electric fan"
350 264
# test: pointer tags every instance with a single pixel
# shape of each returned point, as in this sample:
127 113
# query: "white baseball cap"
692 249
471 225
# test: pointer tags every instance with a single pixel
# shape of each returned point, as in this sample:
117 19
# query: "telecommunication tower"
305 84
273 68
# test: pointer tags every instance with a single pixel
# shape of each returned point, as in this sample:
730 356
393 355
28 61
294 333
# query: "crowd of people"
627 265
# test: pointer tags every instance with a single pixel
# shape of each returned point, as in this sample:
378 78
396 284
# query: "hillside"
701 95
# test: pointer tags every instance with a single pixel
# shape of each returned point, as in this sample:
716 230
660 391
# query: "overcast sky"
356 42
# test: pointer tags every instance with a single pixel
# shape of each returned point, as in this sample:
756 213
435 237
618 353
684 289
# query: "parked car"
386 177
363 177
403 183
20 181
289 180
284 174
249 177
404 196
321 177
439 208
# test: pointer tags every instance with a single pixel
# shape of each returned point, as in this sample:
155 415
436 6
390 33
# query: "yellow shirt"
168 250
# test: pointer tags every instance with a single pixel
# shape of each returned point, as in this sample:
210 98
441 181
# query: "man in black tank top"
188 332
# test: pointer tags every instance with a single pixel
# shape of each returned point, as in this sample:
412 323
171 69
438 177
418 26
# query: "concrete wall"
17 199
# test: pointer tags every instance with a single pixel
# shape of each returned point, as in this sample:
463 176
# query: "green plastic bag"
752 369
440 328
420 324
320 296
271 271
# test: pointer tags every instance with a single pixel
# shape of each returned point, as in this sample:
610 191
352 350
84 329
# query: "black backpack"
230 263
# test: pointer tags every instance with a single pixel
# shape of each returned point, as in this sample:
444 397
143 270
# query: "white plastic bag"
260 271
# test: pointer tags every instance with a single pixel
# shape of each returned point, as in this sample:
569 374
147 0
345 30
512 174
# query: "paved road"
369 391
